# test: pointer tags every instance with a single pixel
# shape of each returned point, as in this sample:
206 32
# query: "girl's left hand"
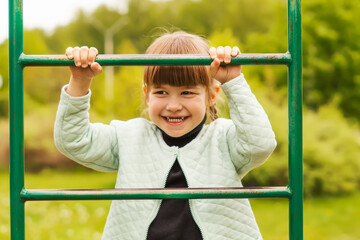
223 54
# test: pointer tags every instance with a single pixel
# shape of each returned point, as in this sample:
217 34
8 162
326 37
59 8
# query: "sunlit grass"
324 218
330 218
59 219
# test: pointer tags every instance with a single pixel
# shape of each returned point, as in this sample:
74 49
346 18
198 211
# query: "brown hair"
180 43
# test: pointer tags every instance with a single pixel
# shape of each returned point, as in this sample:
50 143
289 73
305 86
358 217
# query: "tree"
331 54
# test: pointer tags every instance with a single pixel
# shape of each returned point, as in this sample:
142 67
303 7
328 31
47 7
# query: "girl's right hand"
84 71
85 65
223 54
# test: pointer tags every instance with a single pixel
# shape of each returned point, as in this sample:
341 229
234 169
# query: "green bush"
330 150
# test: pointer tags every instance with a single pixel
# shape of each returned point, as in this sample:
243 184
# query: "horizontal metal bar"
156 59
168 193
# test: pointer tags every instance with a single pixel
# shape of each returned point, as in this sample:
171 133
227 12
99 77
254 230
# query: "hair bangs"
177 76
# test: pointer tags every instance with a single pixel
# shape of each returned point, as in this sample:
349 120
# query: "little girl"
174 149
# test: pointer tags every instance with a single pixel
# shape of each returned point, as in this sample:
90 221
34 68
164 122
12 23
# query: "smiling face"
179 96
177 110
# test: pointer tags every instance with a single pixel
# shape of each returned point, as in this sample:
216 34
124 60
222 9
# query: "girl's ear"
214 93
146 95
144 89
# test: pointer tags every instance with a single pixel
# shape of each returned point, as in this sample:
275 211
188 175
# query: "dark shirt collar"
185 139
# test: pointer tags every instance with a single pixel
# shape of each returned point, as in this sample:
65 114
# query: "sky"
47 14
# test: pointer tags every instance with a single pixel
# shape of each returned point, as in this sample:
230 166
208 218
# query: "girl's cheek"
155 104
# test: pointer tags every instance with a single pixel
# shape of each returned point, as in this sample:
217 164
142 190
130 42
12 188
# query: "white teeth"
175 119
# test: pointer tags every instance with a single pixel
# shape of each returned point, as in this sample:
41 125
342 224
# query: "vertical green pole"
16 117
295 120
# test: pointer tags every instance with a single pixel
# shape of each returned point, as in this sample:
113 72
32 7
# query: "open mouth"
175 119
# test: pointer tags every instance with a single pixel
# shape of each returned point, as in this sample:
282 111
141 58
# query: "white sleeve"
251 140
93 145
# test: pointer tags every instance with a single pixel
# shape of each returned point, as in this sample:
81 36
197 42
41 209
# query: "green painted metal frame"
155 59
18 60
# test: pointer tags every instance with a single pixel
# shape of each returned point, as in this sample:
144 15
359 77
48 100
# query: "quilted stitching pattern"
144 162
72 135
247 113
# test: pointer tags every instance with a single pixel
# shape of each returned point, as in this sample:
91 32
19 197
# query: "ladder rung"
157 59
168 193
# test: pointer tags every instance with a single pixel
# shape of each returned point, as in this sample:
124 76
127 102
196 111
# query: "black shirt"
174 220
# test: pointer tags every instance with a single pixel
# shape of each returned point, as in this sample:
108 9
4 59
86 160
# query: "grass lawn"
324 218
334 218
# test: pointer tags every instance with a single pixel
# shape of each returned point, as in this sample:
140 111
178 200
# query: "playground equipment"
18 60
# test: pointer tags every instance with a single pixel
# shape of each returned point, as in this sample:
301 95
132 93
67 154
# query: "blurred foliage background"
331 80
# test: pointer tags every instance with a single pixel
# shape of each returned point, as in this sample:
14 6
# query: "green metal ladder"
18 60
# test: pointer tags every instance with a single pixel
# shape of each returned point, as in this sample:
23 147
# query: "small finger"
84 53
69 53
76 56
93 52
220 51
235 51
212 52
227 52
96 67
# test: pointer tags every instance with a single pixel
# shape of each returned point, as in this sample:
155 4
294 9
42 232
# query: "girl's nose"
173 106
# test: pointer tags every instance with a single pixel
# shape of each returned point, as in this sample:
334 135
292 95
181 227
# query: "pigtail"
213 112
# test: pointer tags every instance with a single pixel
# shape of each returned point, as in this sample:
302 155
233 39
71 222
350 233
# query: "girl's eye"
187 93
160 92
